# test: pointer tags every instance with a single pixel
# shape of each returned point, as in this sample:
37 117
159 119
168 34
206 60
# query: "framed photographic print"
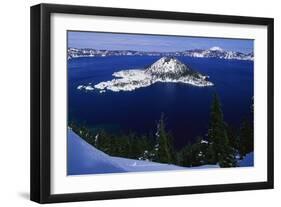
132 103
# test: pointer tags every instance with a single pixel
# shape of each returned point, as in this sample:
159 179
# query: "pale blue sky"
159 43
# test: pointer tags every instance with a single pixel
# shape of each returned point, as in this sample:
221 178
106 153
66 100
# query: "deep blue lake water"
186 108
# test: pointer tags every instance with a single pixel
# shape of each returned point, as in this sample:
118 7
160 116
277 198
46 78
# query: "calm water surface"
186 107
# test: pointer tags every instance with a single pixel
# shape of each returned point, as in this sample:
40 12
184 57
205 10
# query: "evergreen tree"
233 137
184 157
194 154
219 150
146 149
246 138
202 151
163 148
104 142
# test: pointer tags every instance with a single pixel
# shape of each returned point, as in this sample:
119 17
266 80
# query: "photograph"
153 102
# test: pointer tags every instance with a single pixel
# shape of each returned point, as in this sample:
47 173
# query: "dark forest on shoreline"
223 144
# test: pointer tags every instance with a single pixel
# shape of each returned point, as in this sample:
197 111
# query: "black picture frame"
41 95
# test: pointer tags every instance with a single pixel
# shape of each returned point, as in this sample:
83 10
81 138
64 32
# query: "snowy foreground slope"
86 159
247 161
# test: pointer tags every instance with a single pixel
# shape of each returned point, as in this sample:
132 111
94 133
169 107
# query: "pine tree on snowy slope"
219 150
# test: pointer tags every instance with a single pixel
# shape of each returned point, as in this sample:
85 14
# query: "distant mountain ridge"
213 52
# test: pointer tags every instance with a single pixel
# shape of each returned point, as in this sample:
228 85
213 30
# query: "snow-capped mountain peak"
167 65
215 48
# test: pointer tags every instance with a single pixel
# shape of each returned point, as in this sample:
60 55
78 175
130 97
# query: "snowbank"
86 159
247 161
83 158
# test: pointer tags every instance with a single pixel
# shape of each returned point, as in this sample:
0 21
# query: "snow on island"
166 69
215 48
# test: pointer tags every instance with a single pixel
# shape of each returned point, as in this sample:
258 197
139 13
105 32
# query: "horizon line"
157 51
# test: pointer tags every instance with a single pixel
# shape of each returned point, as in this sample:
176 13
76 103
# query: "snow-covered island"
166 69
